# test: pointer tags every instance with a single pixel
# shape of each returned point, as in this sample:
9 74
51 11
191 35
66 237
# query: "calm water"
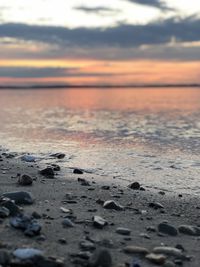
108 129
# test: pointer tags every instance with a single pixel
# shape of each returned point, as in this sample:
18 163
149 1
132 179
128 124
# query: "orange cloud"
113 72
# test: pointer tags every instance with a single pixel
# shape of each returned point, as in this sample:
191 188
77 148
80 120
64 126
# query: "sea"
151 135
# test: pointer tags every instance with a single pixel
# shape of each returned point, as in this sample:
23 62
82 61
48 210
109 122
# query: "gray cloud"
152 3
125 35
98 10
25 72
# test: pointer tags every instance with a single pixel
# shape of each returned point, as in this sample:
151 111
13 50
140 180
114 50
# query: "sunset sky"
99 42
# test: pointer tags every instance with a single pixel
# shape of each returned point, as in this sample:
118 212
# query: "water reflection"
160 118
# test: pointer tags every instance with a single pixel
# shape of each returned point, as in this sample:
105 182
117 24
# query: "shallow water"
110 131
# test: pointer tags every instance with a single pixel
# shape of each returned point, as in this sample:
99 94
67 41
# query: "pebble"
25 180
77 171
99 222
20 197
83 182
27 253
36 215
156 258
111 204
82 254
67 223
62 241
156 205
144 235
56 167
64 210
48 172
135 250
167 229
105 187
169 251
123 231
27 224
28 158
134 186
58 155
189 230
4 212
87 245
11 206
100 258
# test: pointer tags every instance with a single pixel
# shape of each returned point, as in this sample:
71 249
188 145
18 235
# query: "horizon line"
103 86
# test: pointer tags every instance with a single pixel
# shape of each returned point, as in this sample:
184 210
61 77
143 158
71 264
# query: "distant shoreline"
65 86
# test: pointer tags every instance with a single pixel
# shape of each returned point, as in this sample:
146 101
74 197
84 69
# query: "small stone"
87 245
27 253
111 204
11 206
134 186
171 251
27 224
189 230
123 231
28 158
62 241
20 197
83 182
58 155
67 223
135 250
156 205
25 180
144 235
64 210
99 222
151 229
167 229
56 167
82 255
156 258
48 172
4 212
36 215
100 258
142 188
105 187
77 171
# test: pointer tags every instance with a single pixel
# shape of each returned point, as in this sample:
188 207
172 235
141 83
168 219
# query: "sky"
100 42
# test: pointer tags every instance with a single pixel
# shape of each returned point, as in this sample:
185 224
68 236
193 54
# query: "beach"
65 205
93 178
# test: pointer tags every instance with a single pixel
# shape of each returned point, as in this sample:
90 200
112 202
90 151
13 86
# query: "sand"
50 195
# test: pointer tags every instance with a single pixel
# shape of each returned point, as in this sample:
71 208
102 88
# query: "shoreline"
82 196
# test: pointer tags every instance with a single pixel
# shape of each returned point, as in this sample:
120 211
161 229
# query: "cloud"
152 3
29 72
97 10
124 41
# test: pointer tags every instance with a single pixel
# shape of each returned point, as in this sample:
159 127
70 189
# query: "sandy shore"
82 196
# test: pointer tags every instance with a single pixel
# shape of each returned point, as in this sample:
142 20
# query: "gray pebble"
123 231
20 197
167 229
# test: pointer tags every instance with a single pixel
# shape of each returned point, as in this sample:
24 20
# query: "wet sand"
83 195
